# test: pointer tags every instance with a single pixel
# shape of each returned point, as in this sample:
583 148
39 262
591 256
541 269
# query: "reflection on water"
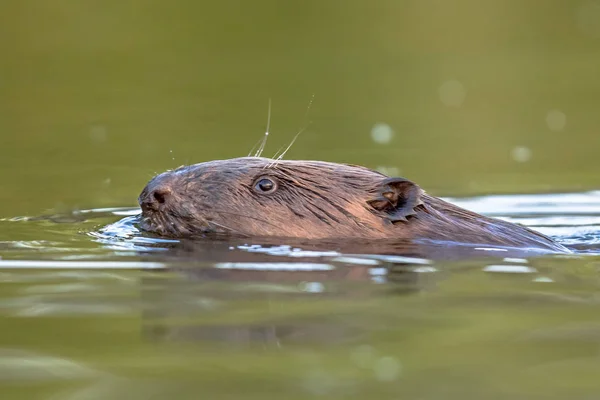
93 309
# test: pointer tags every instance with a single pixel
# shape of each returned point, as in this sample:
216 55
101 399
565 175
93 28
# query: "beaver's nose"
153 198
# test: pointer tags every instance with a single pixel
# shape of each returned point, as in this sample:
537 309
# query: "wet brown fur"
315 200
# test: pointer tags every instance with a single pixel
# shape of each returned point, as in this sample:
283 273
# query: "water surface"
93 308
466 98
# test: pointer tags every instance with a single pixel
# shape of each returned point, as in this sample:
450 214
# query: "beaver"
262 197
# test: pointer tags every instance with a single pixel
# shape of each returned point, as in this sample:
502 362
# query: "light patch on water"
382 133
130 235
491 249
587 17
573 218
521 154
552 205
387 369
378 275
355 260
589 233
556 119
276 266
581 228
515 260
397 259
557 221
510 269
296 252
452 93
543 279
311 287
286 250
378 271
425 270
310 253
22 264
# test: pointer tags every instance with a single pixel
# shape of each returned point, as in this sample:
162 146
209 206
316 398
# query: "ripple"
510 269
19 365
276 266
133 265
554 205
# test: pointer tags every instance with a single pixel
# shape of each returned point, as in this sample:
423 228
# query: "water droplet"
556 119
98 133
382 133
521 154
387 369
452 93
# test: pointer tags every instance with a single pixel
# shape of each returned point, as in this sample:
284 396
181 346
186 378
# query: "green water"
471 97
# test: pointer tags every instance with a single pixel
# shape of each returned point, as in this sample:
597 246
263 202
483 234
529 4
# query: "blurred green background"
465 97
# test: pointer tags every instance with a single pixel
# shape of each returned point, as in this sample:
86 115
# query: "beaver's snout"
157 194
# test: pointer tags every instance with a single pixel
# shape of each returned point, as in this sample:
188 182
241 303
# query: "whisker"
269 165
254 147
264 140
290 145
306 125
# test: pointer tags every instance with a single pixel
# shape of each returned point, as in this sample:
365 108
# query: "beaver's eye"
265 185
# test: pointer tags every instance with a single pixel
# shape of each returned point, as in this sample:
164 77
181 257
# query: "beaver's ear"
397 198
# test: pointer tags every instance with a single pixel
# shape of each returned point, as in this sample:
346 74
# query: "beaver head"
255 196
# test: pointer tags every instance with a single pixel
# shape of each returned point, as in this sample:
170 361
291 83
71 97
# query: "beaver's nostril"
154 199
160 195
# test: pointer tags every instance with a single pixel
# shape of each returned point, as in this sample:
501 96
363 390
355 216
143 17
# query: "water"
493 103
111 312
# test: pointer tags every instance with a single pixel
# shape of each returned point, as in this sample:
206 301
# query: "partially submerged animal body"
261 197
